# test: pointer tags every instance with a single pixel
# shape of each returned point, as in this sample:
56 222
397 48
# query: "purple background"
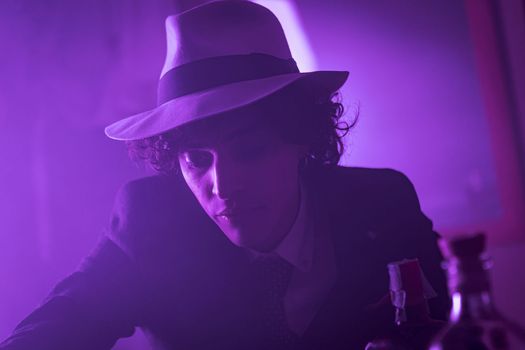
69 68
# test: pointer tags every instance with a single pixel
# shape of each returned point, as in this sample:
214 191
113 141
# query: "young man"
251 236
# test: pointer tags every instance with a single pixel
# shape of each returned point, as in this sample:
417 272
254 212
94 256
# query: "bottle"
414 328
474 322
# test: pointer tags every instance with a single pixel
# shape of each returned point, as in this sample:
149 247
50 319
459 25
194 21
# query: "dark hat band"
216 71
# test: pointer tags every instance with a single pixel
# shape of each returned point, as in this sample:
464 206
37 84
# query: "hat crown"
223 28
221 56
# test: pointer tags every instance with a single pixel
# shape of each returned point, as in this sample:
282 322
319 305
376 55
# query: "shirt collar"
297 246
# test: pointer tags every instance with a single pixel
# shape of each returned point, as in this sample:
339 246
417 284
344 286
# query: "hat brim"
215 101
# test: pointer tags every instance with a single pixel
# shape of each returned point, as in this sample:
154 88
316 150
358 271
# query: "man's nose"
227 179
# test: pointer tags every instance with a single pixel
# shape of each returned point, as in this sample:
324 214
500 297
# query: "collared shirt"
309 249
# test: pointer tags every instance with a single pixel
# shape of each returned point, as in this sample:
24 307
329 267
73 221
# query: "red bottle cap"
406 284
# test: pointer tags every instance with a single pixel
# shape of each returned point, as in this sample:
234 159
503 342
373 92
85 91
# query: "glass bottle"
474 322
414 328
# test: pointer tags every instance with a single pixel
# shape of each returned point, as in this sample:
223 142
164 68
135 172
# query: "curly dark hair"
296 113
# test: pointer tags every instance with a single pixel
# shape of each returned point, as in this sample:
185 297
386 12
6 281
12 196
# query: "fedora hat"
220 56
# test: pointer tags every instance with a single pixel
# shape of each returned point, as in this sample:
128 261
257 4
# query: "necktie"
275 273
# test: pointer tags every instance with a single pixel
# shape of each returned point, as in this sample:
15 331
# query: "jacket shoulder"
368 182
382 197
369 176
150 211
151 186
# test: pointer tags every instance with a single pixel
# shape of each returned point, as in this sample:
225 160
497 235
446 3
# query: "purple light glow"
421 110
286 12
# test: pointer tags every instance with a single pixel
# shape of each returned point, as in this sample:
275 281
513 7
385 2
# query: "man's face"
246 179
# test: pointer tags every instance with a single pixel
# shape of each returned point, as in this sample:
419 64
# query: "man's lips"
230 213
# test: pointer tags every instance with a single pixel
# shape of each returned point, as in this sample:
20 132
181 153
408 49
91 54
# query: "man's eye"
197 159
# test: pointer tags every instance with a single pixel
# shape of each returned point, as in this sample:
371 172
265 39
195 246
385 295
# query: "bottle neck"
472 305
469 285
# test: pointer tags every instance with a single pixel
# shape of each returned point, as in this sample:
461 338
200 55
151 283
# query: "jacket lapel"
360 275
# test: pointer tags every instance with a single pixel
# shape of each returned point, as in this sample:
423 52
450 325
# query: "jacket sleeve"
91 308
414 236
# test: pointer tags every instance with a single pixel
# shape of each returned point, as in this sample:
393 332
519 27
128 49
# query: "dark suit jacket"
164 266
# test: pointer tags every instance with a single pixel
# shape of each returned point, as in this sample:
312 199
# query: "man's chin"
253 244
245 241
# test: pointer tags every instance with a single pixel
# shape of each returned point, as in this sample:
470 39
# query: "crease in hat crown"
220 56
223 28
